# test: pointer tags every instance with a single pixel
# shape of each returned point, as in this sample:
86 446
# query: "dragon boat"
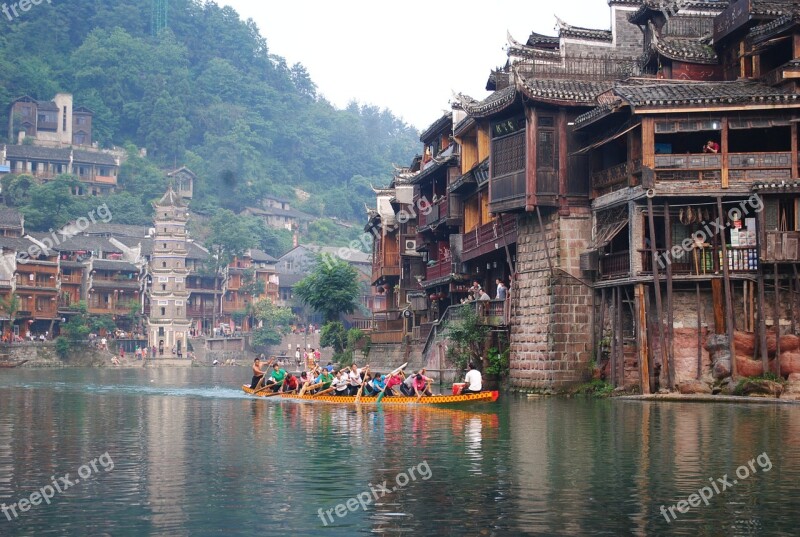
394 400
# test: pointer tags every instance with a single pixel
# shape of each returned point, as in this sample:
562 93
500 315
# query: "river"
185 452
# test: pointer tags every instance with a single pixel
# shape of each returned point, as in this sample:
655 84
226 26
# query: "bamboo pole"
729 322
657 285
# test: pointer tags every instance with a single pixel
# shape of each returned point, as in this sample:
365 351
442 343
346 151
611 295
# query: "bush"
596 388
62 347
498 362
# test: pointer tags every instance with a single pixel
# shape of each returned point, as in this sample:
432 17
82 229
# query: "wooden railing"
699 261
742 166
439 270
489 234
611 176
508 191
616 265
387 264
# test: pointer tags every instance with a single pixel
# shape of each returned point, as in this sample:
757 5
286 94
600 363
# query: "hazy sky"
407 56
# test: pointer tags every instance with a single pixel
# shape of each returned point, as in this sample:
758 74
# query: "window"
80 120
64 120
163 311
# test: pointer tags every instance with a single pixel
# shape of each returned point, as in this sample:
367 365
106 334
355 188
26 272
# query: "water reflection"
194 457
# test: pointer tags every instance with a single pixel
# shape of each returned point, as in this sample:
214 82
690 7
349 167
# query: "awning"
605 140
606 233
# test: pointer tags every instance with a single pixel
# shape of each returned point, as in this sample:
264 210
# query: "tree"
334 335
468 336
9 307
274 323
331 289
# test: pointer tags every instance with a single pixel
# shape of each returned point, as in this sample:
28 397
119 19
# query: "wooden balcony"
438 270
508 192
742 167
200 311
616 265
702 261
489 237
781 247
390 337
387 265
490 312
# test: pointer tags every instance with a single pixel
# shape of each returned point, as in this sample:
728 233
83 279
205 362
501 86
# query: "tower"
168 326
159 16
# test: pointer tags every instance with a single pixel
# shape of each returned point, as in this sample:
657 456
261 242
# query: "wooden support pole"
670 309
649 326
612 369
794 139
657 285
544 238
718 300
699 334
729 322
777 322
641 339
620 341
724 152
601 325
762 319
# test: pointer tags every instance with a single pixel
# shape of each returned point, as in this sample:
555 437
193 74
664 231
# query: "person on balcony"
502 290
711 147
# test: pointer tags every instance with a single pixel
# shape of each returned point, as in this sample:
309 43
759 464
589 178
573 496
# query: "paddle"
363 382
395 372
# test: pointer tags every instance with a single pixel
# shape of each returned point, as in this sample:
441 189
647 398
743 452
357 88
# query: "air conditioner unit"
590 261
411 246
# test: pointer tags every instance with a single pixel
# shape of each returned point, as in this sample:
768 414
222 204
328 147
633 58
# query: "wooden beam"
699 334
657 285
563 160
641 339
793 128
620 341
719 312
762 319
777 322
612 369
649 142
650 354
796 45
729 322
530 158
724 152
670 312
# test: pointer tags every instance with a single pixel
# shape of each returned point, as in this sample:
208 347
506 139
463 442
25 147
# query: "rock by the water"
694 387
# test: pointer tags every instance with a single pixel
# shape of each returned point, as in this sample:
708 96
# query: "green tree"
274 323
468 337
331 289
334 336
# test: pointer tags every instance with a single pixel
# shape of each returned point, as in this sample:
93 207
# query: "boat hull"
394 400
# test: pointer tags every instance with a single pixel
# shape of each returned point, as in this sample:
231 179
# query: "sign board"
734 17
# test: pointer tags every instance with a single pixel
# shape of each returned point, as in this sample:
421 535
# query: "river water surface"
185 452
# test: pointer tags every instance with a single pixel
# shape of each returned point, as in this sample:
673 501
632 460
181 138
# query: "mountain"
206 93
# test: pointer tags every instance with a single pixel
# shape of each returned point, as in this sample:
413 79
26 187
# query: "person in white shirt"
473 380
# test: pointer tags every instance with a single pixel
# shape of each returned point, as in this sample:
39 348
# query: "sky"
408 56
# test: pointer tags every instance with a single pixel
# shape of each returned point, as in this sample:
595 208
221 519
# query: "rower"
290 383
473 380
275 380
420 385
258 374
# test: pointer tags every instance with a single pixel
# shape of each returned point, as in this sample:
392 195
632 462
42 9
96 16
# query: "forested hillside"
205 93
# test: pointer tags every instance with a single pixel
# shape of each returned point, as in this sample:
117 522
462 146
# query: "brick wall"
551 313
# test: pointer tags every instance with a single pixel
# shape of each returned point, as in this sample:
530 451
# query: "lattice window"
508 154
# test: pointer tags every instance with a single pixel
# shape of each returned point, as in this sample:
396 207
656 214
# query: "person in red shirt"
394 379
290 383
420 385
711 147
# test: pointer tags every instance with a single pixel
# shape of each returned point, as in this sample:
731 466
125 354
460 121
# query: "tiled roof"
107 264
773 8
35 152
261 256
478 175
573 91
135 242
766 31
495 102
538 40
10 217
117 230
80 243
685 49
195 251
170 199
289 280
445 121
673 93
576 32
277 211
593 114
647 7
